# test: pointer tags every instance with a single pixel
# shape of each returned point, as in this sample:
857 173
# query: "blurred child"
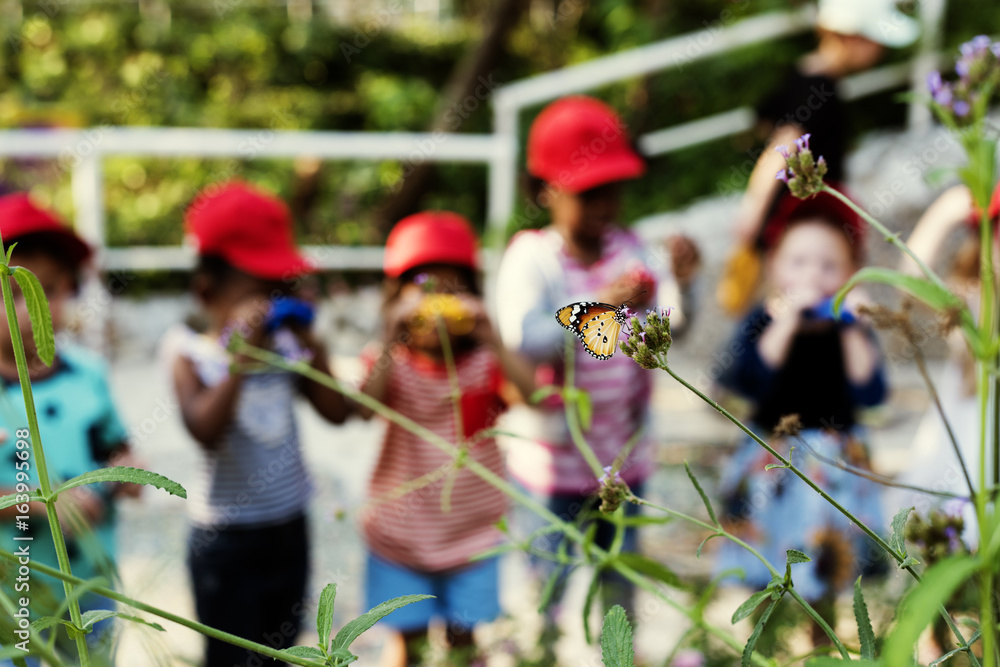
791 356
80 427
852 36
416 543
248 548
934 464
578 154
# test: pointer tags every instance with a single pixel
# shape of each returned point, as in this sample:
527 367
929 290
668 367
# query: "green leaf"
955 651
324 614
550 588
542 393
865 632
11 500
585 408
922 289
616 639
305 652
651 568
829 661
704 542
342 656
749 605
46 622
898 538
126 475
588 604
795 556
363 623
755 635
704 496
10 251
38 314
922 604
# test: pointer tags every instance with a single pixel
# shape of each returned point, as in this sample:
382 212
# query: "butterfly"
596 324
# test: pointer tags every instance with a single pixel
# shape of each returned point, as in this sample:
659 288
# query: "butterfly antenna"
629 301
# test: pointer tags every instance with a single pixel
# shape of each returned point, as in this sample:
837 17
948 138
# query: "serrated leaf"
11 499
363 623
922 603
865 633
126 475
651 568
46 622
304 652
324 614
795 556
588 604
90 618
755 635
342 656
617 648
38 314
704 496
898 538
749 605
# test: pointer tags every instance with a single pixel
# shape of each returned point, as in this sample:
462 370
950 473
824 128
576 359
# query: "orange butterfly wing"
597 325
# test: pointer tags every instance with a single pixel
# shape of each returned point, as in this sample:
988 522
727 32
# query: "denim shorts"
462 597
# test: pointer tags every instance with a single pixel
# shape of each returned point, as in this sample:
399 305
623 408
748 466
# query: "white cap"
877 20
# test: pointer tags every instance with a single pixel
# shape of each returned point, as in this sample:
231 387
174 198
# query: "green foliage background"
247 65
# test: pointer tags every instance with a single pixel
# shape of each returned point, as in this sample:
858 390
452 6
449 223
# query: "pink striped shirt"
412 528
536 278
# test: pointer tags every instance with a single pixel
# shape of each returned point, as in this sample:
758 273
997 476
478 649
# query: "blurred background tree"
391 65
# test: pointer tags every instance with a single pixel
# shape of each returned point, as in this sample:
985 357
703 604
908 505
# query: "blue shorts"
463 597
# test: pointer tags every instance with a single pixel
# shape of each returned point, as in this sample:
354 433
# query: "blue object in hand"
824 311
289 311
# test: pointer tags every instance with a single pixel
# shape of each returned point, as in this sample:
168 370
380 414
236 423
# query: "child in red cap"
248 548
417 543
578 154
792 355
80 426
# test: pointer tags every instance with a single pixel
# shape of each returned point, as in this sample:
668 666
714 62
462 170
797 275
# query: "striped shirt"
536 278
256 476
404 521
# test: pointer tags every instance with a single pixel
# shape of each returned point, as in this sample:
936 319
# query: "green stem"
456 402
899 558
493 480
180 620
572 418
891 237
59 542
37 641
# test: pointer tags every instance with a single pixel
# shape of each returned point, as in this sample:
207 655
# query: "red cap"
250 229
430 237
20 217
579 143
823 205
993 210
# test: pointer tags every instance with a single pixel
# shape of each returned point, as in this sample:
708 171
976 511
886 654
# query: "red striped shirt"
408 525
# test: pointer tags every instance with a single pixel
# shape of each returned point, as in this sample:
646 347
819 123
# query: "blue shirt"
80 429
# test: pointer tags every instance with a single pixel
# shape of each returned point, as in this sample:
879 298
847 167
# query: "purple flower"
934 82
688 658
803 142
961 108
783 150
782 175
642 336
627 312
420 278
955 507
995 49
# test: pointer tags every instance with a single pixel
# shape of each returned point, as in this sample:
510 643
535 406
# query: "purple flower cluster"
613 491
977 68
647 340
802 173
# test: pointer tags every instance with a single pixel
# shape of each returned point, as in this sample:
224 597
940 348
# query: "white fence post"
88 202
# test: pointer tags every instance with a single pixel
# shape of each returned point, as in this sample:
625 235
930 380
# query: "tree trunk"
467 82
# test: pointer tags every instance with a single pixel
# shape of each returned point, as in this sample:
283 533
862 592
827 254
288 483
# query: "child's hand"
397 316
248 319
790 304
685 258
